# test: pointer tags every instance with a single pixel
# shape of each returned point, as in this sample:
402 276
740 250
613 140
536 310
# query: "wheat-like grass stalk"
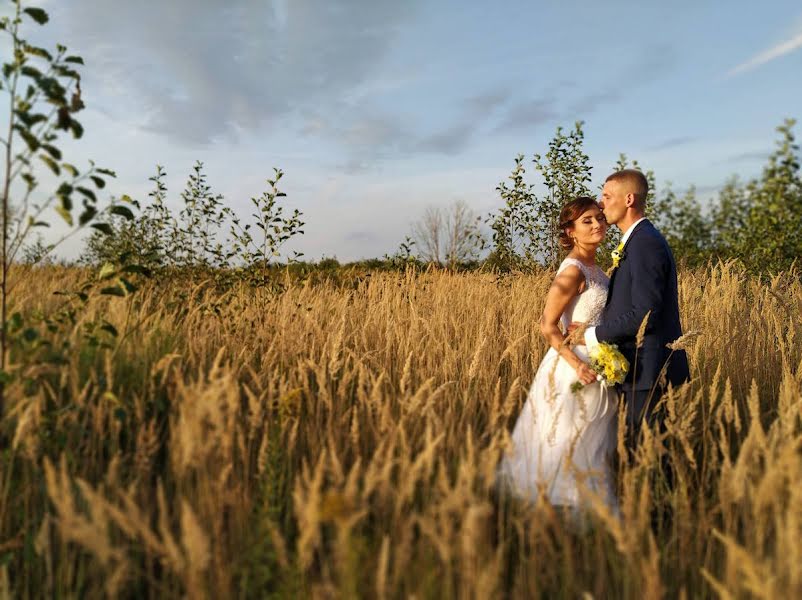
344 435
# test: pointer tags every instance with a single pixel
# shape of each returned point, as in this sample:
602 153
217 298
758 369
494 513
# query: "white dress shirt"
590 333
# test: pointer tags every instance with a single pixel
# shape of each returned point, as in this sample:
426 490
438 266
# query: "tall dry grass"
340 440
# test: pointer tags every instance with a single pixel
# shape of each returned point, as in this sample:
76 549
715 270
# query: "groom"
643 282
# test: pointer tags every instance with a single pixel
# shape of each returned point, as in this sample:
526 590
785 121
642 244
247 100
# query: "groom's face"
614 201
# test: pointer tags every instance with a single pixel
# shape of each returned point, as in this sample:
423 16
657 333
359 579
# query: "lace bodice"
587 307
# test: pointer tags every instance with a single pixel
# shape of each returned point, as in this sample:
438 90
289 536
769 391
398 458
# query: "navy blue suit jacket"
645 280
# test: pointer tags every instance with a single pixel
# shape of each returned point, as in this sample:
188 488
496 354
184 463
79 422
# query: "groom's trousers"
640 406
644 405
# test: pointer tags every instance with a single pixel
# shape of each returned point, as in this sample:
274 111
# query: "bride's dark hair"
570 212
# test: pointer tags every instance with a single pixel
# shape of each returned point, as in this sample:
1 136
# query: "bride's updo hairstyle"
571 212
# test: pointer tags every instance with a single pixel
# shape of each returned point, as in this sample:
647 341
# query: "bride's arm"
564 288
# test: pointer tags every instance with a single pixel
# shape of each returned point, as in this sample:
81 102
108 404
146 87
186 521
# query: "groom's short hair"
635 180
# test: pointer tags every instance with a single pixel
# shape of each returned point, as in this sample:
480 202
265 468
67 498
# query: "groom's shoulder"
647 236
647 232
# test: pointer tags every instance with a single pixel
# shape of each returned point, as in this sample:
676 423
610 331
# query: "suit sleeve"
649 267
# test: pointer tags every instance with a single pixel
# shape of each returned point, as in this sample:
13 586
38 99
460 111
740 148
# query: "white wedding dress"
563 438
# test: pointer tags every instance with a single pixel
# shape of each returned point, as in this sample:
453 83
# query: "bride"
564 435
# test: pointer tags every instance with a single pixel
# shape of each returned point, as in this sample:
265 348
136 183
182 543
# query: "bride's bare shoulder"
569 279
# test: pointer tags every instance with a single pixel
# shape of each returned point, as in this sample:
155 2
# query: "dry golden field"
339 440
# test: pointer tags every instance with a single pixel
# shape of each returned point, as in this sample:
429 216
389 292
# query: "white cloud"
773 53
200 68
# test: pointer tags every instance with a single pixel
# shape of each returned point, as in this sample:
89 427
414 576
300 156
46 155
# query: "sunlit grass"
340 439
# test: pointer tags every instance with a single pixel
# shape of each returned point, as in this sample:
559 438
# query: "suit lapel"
610 288
638 227
623 258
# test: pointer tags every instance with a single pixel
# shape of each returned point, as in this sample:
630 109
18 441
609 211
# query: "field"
338 439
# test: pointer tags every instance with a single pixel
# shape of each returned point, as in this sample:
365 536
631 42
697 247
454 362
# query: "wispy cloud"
361 236
368 135
651 65
589 103
750 156
476 110
201 69
672 143
528 114
790 45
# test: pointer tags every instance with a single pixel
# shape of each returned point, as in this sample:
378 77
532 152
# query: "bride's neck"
587 254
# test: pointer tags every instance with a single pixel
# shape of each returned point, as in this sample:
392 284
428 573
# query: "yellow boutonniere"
617 255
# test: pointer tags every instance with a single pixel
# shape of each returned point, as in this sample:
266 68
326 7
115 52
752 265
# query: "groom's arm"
650 267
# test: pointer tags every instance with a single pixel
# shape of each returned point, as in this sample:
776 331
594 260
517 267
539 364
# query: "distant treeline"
757 222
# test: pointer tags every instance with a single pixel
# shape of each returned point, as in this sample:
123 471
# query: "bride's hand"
576 333
585 373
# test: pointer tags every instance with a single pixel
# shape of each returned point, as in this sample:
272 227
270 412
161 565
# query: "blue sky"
376 109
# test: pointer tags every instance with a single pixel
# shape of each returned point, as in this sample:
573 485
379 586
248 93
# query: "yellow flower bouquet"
609 363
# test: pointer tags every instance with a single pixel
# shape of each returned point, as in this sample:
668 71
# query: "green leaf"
100 183
52 151
103 227
137 269
65 214
106 271
74 59
129 287
31 72
109 328
86 216
65 72
70 169
108 172
50 163
29 179
15 322
122 211
31 119
87 192
37 14
65 189
30 139
113 291
77 129
36 51
54 91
